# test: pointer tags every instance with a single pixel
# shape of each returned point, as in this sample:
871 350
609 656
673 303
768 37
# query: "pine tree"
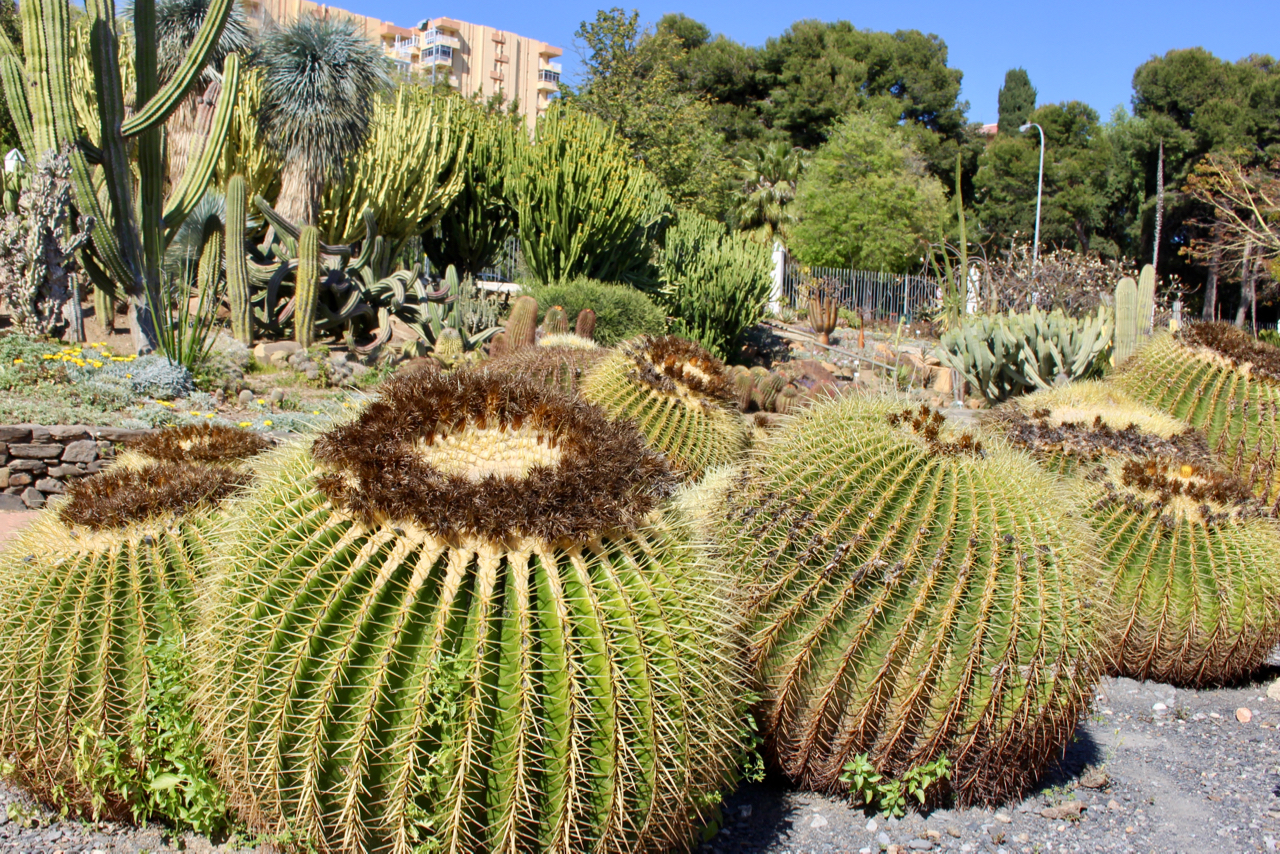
1017 100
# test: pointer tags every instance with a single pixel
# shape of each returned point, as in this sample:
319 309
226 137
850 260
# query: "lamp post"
1035 247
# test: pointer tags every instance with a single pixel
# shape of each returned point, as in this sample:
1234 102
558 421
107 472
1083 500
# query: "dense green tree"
1075 180
1017 100
867 200
630 81
11 26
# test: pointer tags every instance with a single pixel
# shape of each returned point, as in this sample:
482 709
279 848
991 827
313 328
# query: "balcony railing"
546 75
439 54
438 36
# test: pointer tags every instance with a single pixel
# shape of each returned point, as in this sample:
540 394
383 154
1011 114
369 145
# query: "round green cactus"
555 367
1190 558
678 395
469 619
1223 382
89 588
916 594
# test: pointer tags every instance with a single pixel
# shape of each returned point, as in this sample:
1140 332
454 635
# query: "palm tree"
320 81
767 176
177 22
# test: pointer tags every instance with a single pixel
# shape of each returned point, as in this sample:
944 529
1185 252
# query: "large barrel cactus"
1190 558
205 444
1224 382
917 593
560 367
467 619
89 588
677 394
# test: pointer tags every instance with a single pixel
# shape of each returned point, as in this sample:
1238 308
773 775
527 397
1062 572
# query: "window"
438 53
546 75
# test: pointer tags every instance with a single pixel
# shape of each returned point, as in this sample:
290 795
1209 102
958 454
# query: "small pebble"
1243 715
1112 805
1004 819
818 821
1159 707
871 826
920 845
953 832
883 838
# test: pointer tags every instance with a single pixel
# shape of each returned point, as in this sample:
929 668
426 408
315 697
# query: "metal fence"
879 296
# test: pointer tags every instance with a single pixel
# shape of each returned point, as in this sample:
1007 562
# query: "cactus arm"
14 79
290 230
305 291
238 290
199 172
162 101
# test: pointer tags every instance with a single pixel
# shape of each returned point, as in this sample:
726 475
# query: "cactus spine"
306 292
556 321
522 324
238 288
486 650
916 595
585 324
677 394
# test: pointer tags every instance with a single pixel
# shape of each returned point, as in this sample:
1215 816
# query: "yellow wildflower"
267 422
246 423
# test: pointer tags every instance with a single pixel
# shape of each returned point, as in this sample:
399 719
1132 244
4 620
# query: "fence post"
779 271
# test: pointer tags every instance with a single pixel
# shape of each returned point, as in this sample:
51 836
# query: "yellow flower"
128 376
47 356
193 412
17 361
246 423
315 412
209 414
261 401
267 422
96 363
95 345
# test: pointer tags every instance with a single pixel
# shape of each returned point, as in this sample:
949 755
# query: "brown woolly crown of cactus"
677 394
557 367
464 622
125 495
200 443
89 587
484 456
1235 345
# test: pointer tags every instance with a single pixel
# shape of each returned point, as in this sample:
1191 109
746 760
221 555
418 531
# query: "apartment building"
476 60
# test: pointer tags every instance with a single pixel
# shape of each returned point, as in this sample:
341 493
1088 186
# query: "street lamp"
1035 248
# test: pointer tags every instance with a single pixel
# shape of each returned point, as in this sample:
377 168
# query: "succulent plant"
522 324
556 321
1224 382
466 619
88 587
916 593
568 339
1190 559
677 394
211 444
559 367
585 324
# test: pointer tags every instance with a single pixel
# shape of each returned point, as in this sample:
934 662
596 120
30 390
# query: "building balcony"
437 55
437 36
549 79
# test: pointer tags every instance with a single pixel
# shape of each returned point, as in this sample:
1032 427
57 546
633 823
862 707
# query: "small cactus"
557 367
306 292
522 324
556 321
448 348
585 324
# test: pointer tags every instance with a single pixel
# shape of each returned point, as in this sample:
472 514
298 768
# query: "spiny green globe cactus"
208 444
915 594
467 620
94 583
1224 382
677 394
1190 558
555 367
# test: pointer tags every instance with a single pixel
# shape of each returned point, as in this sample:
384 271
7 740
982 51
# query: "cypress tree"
1017 100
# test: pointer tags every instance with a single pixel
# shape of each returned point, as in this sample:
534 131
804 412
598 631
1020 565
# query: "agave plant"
321 80
916 594
89 588
1191 559
464 620
677 394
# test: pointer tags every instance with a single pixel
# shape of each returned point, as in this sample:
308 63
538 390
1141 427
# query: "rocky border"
38 461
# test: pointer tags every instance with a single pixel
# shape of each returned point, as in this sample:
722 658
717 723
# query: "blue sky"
1084 50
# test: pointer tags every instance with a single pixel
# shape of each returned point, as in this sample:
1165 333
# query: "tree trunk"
300 190
1244 286
142 324
1210 311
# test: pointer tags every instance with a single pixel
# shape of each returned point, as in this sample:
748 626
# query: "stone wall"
36 461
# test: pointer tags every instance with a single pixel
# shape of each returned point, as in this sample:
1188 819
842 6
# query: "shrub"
917 594
477 630
715 284
622 312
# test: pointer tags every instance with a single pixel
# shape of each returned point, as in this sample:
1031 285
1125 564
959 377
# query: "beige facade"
478 61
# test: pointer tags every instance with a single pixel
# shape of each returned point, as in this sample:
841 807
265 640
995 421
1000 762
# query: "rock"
33 498
745 810
20 479
264 351
245 398
38 434
1243 715
1094 778
1113 805
95 466
15 433
1069 810
357 371
953 832
35 468
11 503
1273 691
871 826
818 820
65 471
83 451
920 845
1159 707
933 834
882 838
1003 818
120 434
4 477
279 358
50 485
312 373
36 452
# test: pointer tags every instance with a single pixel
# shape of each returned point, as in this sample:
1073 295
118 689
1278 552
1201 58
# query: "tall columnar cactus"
522 324
209 269
585 324
238 287
1224 382
1126 338
555 367
134 220
916 595
1146 300
464 620
307 288
556 321
677 394
1191 559
88 587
